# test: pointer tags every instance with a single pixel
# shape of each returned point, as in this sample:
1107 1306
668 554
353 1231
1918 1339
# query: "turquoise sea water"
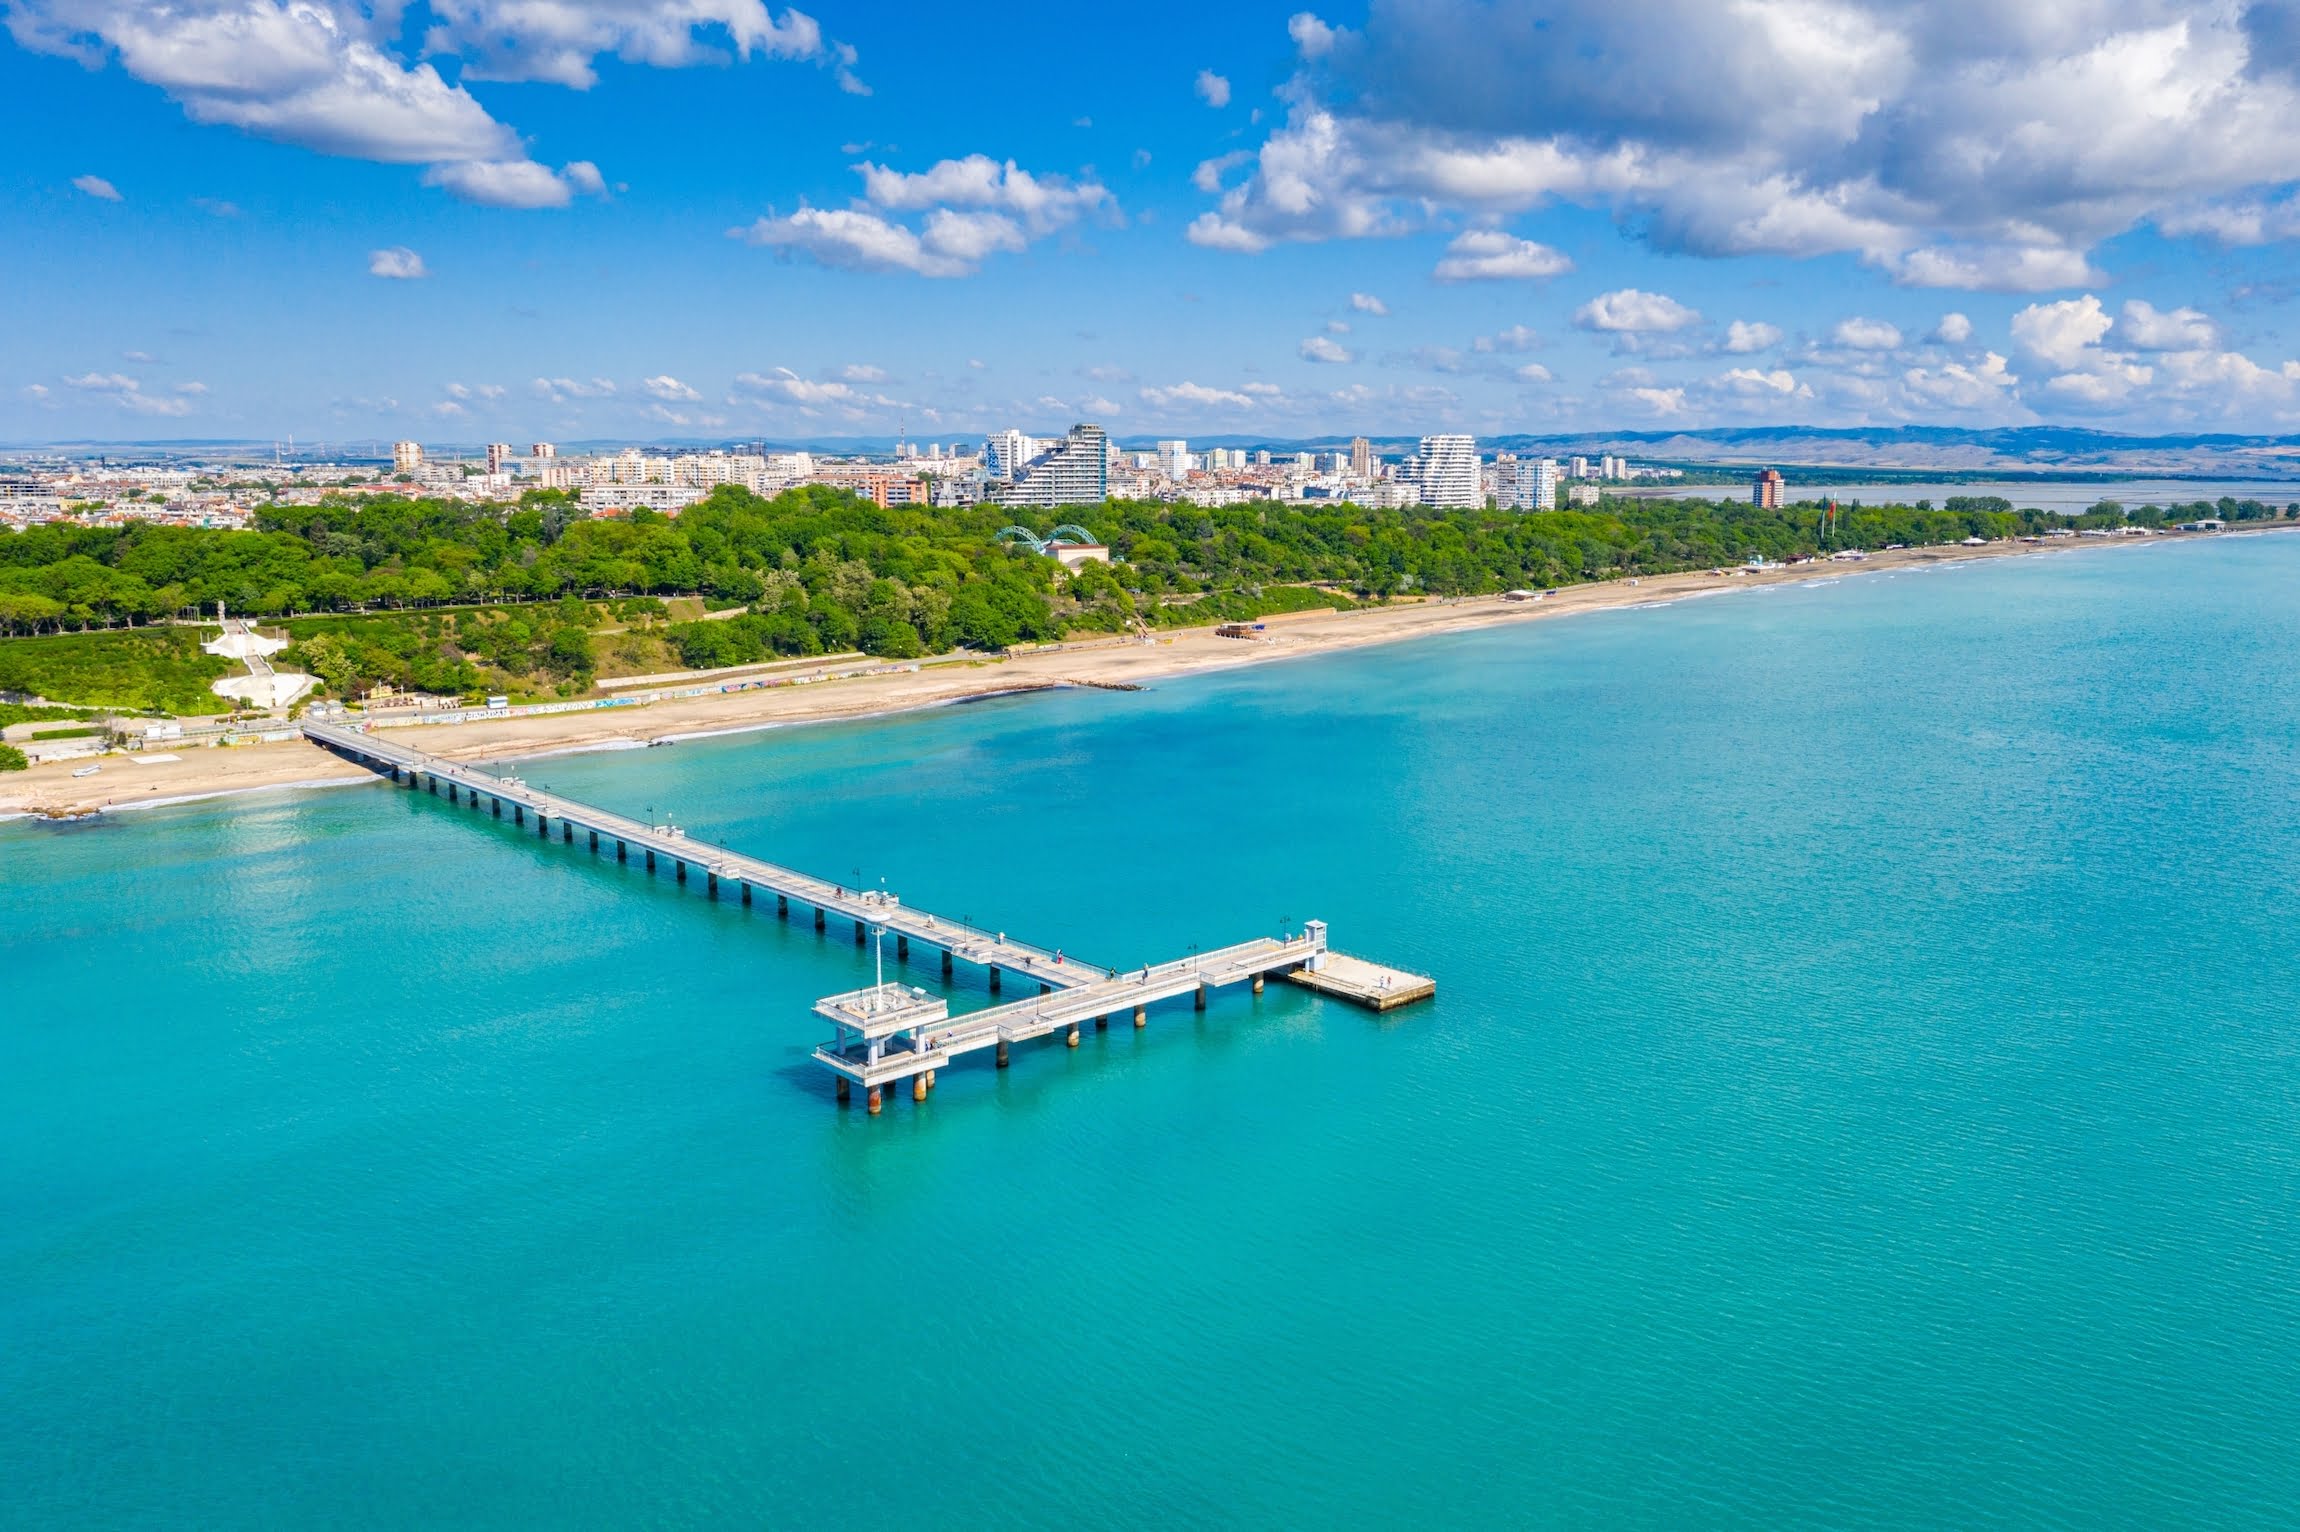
1864 1090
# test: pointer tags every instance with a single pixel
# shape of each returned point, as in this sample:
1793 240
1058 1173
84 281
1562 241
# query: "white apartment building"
1615 468
1005 455
667 498
406 457
1581 468
1528 484
1072 471
1445 472
1584 494
498 456
1174 457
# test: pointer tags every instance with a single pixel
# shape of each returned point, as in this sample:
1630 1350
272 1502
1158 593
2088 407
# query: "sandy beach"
126 783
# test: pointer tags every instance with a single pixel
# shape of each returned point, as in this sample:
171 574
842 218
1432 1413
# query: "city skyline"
468 221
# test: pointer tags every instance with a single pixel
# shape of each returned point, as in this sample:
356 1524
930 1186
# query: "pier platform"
1362 983
888 1033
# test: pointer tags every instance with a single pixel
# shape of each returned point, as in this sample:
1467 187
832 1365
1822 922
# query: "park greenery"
13 759
538 599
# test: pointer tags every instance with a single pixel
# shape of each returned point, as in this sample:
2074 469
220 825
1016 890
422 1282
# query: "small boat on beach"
87 771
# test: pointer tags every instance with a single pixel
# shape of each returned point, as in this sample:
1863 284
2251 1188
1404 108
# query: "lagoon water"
1864 1090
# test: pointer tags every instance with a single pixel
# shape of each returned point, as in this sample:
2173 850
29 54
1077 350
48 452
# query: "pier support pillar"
875 1099
451 792
994 985
594 840
714 883
1201 997
566 833
931 1081
622 851
682 869
860 931
650 859
498 807
818 917
519 813
843 1090
1257 984
946 965
783 906
746 895
1002 1053
431 785
542 825
1101 1023
918 1087
902 949
1045 988
1071 1037
1141 1016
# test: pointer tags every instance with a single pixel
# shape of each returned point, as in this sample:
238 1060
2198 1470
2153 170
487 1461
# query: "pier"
887 1035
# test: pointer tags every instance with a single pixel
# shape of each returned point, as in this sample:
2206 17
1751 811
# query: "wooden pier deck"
889 1033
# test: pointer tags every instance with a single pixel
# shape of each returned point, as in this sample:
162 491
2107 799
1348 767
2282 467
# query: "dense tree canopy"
822 570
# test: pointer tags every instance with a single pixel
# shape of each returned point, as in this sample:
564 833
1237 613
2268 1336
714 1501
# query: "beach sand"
123 783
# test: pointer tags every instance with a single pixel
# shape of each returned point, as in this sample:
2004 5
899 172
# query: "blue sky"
466 220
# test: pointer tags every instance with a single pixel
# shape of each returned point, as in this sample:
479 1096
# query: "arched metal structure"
1069 533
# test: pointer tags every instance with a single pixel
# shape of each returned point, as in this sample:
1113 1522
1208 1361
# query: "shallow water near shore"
1862 1090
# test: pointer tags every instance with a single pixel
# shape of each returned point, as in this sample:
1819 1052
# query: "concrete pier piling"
861 933
875 1100
1201 997
682 861
594 840
782 906
1071 1037
713 888
746 895
650 859
994 982
946 963
902 949
1141 1016
843 1088
1002 1059
1101 1023
622 851
918 1087
1257 984
819 921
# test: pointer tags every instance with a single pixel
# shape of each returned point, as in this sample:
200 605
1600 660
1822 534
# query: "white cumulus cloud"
1319 348
974 207
1630 311
397 263
341 77
1958 146
1953 330
1743 336
1213 89
96 187
1367 303
2148 328
2061 332
1491 255
1861 334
